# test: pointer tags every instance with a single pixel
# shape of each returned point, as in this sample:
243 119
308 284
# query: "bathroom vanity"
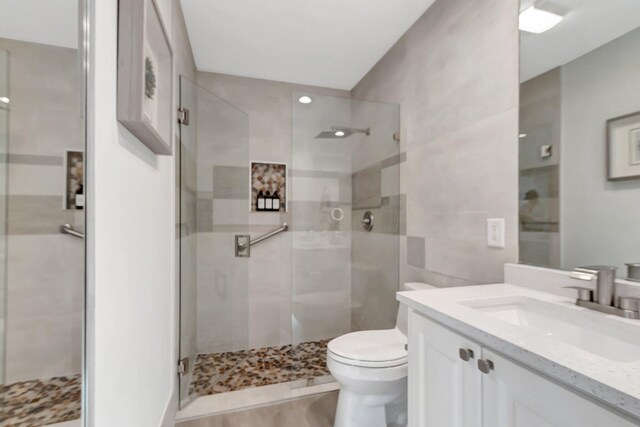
509 355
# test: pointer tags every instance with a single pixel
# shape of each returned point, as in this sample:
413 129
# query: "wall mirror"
579 191
42 211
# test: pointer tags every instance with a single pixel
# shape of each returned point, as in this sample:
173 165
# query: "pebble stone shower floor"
221 372
43 402
40 402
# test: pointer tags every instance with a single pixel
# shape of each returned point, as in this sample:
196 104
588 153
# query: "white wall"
131 286
596 87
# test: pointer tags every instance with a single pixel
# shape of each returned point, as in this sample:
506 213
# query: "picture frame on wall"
623 147
268 181
145 75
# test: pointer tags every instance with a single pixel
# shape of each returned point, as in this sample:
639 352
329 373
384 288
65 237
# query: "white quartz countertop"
615 383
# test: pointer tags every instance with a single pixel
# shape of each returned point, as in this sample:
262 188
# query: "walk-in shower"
266 319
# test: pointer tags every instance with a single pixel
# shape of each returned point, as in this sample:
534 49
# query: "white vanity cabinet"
447 391
444 390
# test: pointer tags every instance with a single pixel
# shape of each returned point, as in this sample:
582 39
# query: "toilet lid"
371 348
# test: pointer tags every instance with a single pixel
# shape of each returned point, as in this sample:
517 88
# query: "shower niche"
268 187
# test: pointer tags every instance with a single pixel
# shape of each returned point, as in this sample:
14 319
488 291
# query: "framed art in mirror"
623 147
145 74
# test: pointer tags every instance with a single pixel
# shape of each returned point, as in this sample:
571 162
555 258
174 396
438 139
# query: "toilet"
371 368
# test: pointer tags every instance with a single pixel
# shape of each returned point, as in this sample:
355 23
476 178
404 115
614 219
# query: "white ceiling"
588 24
52 22
328 43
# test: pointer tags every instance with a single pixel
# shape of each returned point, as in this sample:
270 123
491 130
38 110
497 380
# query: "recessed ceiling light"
533 20
305 99
522 135
4 99
339 133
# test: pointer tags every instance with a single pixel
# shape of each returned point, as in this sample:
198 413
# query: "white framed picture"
623 147
145 75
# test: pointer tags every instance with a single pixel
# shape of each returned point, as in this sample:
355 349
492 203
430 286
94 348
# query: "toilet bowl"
371 368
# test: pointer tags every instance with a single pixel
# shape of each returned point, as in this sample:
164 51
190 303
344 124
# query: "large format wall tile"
44 317
45 269
266 277
455 74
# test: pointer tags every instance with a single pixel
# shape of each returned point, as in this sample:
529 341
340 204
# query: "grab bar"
244 242
68 229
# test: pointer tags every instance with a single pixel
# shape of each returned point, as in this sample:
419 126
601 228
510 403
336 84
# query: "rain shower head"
339 132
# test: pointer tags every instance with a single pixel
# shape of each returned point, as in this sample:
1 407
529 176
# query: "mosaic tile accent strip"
221 372
40 402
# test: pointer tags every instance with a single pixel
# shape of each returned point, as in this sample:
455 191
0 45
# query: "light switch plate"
495 232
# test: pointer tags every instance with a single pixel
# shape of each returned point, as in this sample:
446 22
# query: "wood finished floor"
313 411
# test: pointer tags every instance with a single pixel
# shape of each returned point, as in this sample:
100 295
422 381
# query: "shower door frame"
189 365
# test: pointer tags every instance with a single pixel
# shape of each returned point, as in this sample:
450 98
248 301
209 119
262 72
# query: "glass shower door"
345 164
214 207
4 142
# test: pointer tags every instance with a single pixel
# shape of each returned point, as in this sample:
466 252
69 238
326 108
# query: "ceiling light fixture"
339 133
305 99
4 99
537 21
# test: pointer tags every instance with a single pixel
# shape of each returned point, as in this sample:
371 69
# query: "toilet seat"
371 349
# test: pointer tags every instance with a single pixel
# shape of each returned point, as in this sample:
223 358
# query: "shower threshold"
234 401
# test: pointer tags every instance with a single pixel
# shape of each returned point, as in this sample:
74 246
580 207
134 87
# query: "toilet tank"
401 320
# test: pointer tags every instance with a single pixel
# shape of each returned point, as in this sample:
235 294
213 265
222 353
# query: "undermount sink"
593 332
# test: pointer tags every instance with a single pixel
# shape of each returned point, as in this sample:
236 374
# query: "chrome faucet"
602 295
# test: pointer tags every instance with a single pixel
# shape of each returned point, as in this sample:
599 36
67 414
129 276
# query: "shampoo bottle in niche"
268 202
79 198
276 201
260 201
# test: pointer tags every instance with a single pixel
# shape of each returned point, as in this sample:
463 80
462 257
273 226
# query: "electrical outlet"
495 232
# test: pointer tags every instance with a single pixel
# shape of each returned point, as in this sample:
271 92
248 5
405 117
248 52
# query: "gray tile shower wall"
540 101
44 312
268 105
375 163
455 75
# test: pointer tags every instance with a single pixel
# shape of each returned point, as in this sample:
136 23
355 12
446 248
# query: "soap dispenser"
268 202
276 201
260 201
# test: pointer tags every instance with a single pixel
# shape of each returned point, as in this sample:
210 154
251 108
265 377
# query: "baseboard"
169 417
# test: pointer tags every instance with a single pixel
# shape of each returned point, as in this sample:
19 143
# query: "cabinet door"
513 396
444 390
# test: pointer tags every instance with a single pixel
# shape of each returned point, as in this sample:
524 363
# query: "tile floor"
222 372
40 402
313 411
